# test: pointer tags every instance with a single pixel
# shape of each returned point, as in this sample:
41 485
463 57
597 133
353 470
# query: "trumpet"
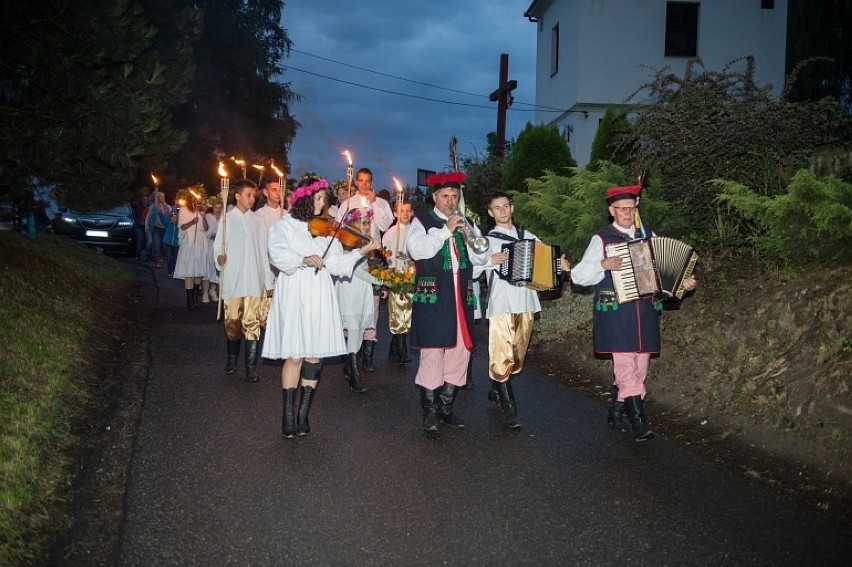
478 244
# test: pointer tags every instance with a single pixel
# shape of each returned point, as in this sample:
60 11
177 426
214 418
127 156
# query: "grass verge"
56 295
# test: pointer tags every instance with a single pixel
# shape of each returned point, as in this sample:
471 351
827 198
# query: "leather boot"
494 393
354 374
367 356
638 423
508 404
615 416
393 352
190 298
288 413
446 396
468 385
429 403
310 371
251 361
233 353
404 357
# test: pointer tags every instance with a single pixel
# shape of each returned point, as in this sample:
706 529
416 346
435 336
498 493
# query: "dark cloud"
423 41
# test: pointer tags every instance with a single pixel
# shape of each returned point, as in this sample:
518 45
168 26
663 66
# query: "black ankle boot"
403 348
638 423
494 393
354 374
190 299
288 413
506 396
615 416
429 403
233 353
446 396
393 352
251 361
303 427
367 356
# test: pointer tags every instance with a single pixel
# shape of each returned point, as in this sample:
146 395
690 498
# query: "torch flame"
398 185
154 178
222 171
277 171
258 166
195 194
348 156
240 162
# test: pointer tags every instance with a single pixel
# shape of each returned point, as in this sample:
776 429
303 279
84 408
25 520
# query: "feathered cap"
443 180
614 194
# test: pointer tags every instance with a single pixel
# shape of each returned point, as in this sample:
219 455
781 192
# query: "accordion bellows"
651 267
532 264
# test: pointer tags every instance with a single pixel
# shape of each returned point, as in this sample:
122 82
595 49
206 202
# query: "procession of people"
298 276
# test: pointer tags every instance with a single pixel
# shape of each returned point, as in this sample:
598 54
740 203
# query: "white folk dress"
242 239
311 326
212 229
192 254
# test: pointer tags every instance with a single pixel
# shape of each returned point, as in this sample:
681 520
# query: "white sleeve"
281 255
421 244
588 271
382 214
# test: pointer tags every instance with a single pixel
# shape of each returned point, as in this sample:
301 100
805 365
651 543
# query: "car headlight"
125 223
70 220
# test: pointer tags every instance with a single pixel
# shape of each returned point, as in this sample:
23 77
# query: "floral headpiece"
308 190
356 215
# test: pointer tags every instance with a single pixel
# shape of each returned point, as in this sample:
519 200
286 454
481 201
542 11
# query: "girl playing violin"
310 329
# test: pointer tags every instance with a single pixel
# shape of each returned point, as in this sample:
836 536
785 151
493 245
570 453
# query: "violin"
348 236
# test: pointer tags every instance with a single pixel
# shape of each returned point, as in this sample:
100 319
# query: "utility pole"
503 97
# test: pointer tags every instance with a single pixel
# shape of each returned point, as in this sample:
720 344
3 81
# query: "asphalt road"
212 481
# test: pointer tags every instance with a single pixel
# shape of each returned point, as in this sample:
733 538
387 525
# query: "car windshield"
119 211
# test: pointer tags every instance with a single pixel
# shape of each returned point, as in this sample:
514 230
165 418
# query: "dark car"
108 232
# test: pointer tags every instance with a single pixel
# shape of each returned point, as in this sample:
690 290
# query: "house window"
554 50
681 29
767 4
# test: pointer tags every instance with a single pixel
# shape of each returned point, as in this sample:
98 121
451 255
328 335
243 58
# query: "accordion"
531 264
651 267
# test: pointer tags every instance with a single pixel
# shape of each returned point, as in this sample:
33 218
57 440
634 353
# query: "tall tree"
85 96
238 105
538 149
613 125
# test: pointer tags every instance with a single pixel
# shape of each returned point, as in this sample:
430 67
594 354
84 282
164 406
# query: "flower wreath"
355 215
308 190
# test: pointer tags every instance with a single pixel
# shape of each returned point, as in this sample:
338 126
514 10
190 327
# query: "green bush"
811 222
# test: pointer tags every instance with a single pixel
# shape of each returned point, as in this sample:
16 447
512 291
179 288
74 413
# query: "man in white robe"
245 276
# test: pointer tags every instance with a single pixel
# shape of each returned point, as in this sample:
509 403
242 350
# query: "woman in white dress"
310 328
213 218
191 265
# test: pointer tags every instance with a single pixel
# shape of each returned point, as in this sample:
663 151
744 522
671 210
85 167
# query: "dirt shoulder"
755 374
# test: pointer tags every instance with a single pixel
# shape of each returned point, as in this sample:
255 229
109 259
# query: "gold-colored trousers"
242 318
508 339
265 304
399 313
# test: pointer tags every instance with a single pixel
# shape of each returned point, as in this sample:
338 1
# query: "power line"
535 106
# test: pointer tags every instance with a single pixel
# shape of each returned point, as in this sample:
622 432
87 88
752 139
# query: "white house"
595 53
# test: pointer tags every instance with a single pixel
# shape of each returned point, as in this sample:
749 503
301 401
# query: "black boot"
311 372
367 356
468 385
233 353
190 299
196 296
508 404
447 395
615 417
251 361
393 352
429 402
288 414
494 393
636 415
403 348
354 374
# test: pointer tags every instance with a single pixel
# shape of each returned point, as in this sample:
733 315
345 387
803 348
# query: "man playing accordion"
630 332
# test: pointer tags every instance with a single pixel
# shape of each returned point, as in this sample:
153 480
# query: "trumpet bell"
479 245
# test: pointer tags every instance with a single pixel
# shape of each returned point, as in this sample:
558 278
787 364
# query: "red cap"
614 194
442 180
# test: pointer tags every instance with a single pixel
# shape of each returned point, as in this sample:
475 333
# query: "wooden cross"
502 96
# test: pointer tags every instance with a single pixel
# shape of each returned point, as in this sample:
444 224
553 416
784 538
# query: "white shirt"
421 244
242 238
588 271
382 213
395 244
270 215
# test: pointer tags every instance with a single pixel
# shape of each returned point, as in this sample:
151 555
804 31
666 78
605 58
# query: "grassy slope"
755 363
56 297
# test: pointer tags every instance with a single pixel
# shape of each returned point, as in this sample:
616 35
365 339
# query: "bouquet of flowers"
398 281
